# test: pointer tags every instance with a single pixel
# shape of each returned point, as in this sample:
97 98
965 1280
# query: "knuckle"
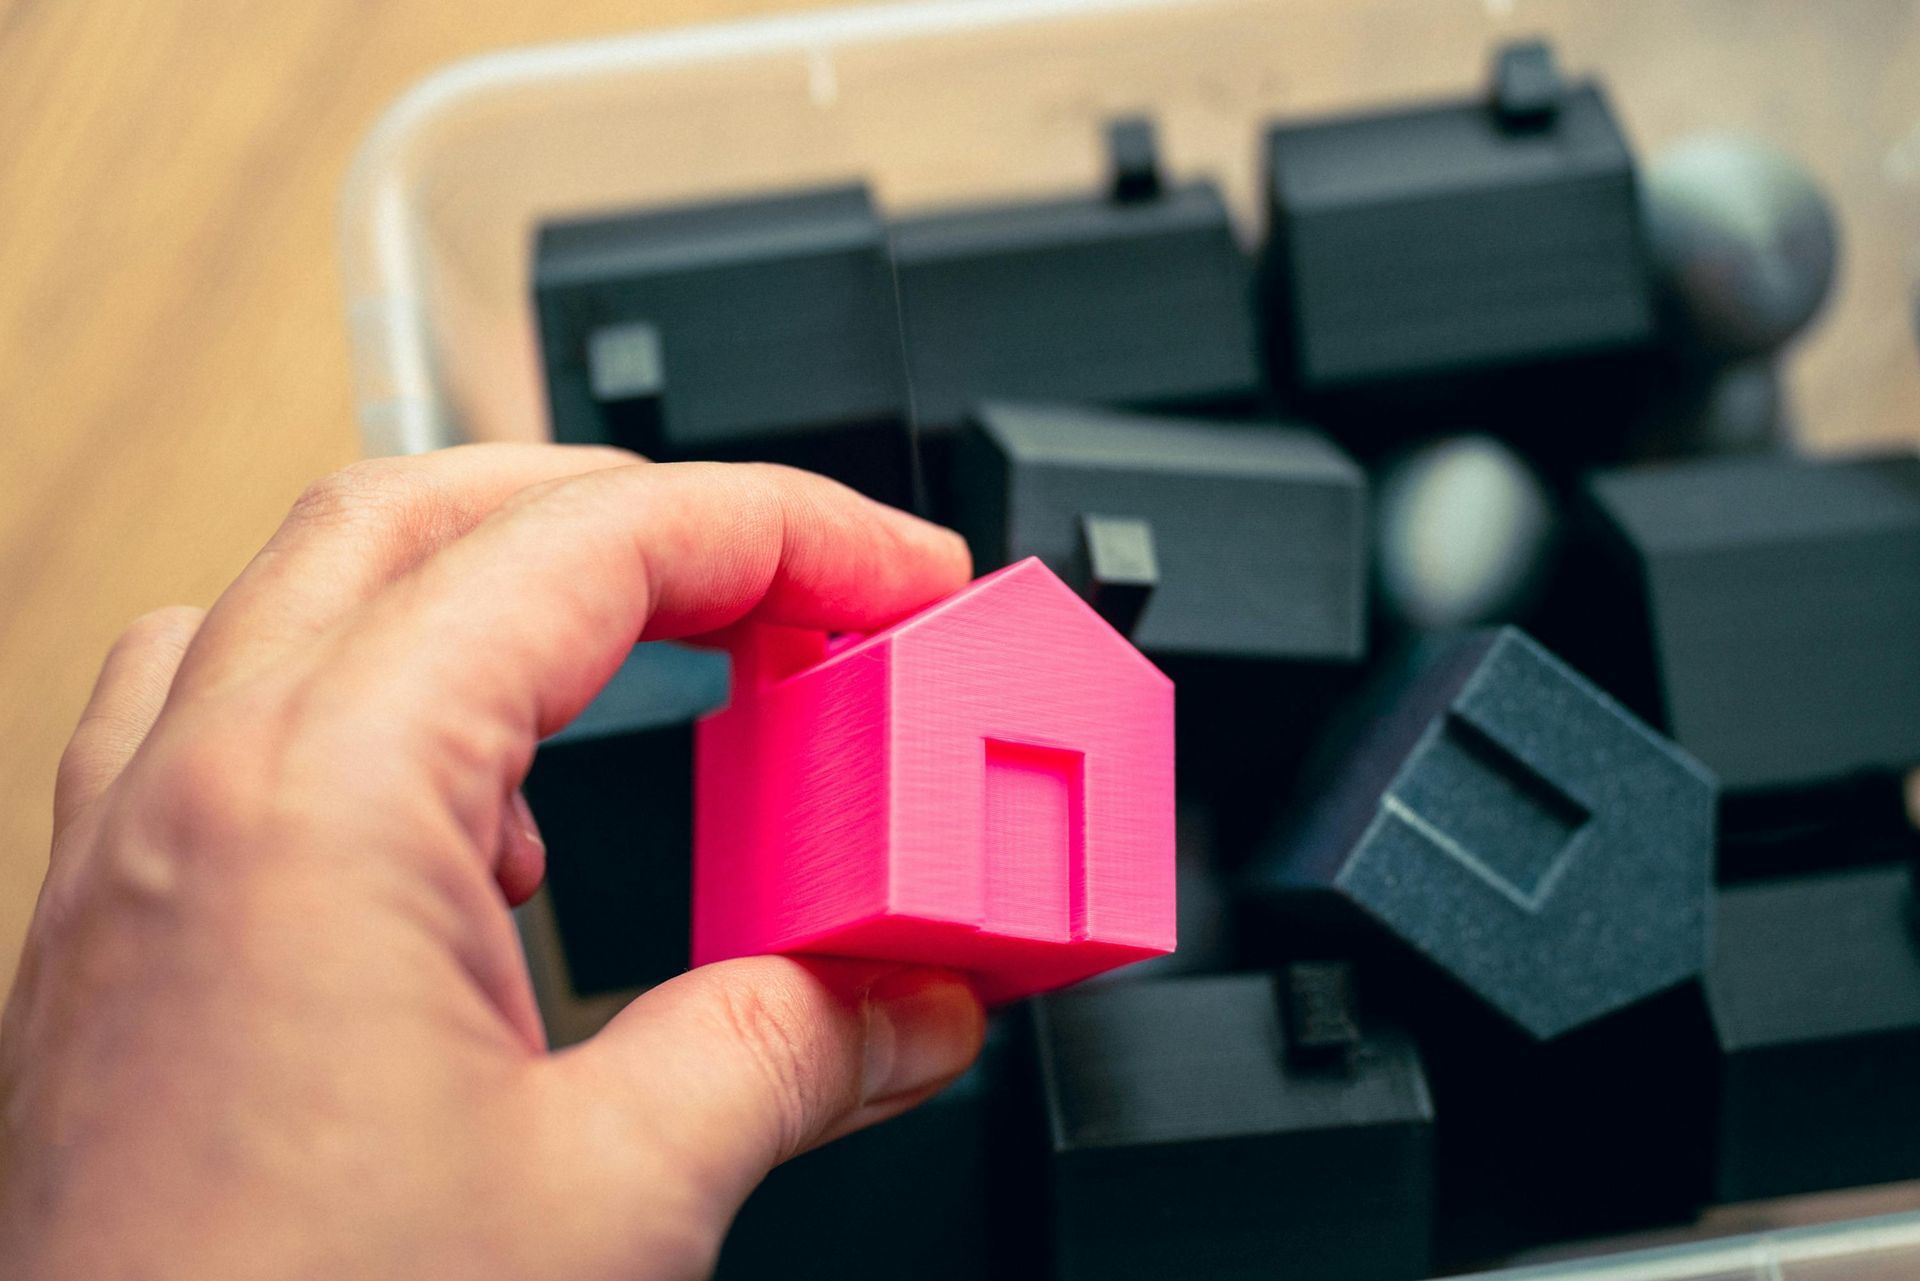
198 800
208 788
371 491
774 492
170 625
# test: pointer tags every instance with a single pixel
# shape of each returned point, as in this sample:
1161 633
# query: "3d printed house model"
987 786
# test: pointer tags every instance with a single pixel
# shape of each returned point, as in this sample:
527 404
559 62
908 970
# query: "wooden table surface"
171 341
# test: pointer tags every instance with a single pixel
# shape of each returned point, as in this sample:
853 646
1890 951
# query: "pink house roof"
1099 636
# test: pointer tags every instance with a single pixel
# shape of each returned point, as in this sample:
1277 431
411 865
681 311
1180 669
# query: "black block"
1323 1021
1184 1145
1141 298
764 328
1527 88
1504 819
1771 615
1701 407
1859 821
1135 156
1203 903
1430 245
1815 994
1259 531
613 795
1246 731
911 1197
1607 1129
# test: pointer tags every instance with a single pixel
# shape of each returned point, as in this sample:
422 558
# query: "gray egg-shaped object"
1463 528
1742 241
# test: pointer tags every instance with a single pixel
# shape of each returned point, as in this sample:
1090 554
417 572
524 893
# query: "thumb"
726 1071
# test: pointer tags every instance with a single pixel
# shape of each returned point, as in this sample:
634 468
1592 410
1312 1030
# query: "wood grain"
174 356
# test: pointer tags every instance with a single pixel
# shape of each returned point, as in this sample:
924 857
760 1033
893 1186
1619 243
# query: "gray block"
1460 238
1815 997
1141 299
1259 531
1185 1142
909 1197
763 328
1133 153
1777 602
1527 88
1517 828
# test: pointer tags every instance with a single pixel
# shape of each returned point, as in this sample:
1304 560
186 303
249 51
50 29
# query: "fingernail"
923 1028
523 816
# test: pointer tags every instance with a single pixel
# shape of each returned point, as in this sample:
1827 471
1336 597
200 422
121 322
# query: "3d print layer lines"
986 786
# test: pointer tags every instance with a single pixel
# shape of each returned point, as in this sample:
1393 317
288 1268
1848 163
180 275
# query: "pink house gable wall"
1021 674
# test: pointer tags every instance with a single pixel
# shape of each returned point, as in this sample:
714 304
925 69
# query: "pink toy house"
986 786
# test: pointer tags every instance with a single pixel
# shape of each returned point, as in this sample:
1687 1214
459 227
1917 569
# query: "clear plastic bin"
961 101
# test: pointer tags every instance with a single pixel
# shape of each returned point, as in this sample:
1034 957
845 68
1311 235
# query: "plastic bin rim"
1762 1256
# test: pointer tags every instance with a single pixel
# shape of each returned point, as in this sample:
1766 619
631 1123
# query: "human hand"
272 1019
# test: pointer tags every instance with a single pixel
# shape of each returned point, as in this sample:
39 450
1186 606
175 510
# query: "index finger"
522 621
354 532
